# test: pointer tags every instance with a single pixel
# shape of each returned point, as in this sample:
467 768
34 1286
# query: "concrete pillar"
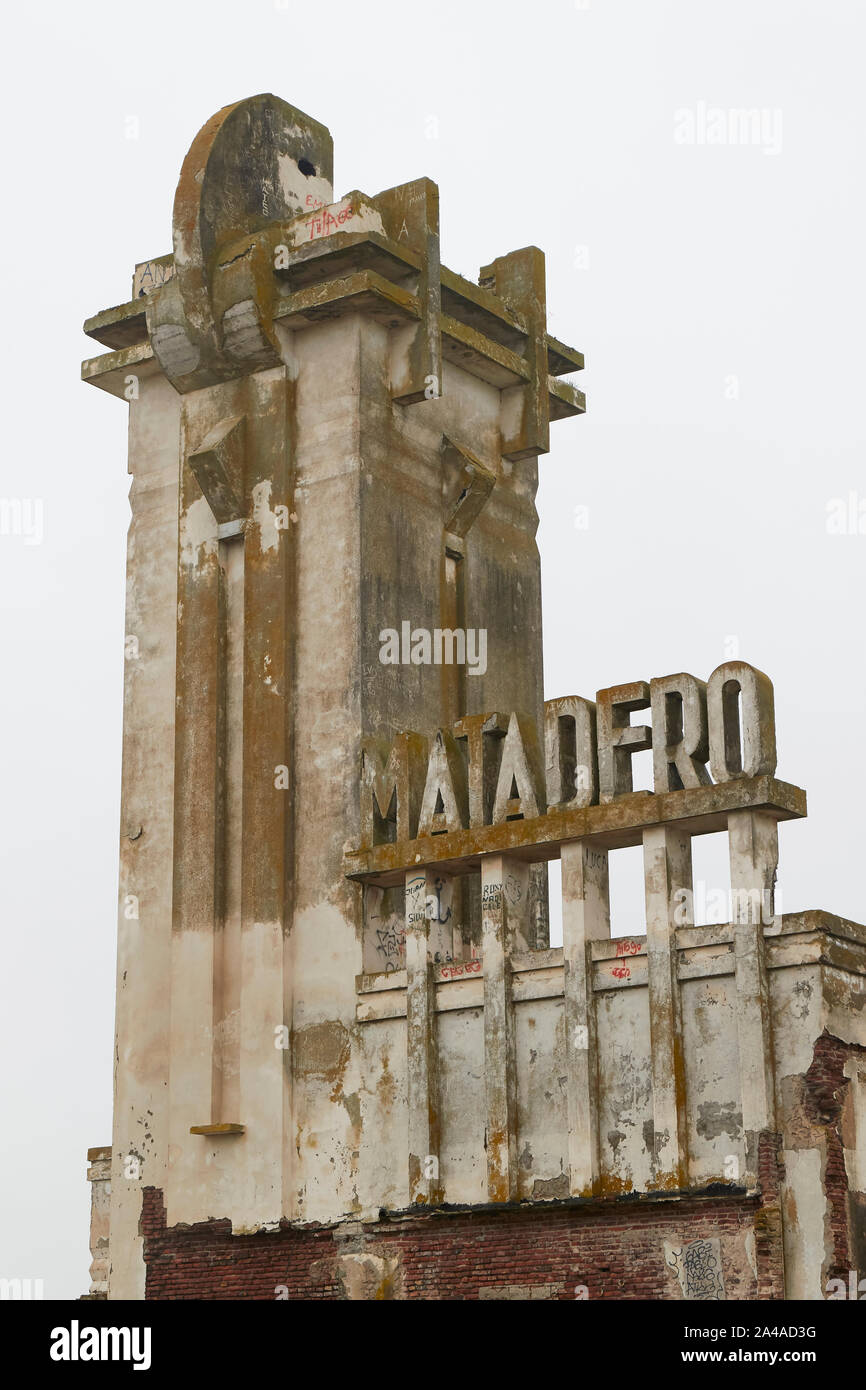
504 931
422 1059
585 918
99 1176
753 838
144 942
233 815
668 884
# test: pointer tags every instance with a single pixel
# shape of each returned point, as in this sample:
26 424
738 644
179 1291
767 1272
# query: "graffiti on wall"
698 1267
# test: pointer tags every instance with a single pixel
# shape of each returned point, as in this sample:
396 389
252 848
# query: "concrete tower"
330 435
344 1048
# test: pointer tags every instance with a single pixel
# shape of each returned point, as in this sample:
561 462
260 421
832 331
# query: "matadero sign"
702 733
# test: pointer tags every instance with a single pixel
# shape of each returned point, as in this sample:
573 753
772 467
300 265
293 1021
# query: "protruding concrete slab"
614 825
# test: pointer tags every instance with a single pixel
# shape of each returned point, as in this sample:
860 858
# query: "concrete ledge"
613 825
796 939
216 1131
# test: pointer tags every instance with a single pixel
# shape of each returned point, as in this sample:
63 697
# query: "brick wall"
615 1249
825 1092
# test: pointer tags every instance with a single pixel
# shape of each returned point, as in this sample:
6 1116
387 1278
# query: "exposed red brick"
616 1249
824 1095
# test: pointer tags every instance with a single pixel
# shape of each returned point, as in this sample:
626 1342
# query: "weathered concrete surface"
297 506
321 1016
99 1175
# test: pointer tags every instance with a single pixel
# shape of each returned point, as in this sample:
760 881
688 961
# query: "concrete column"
266 825
504 930
422 1060
144 945
753 838
668 883
585 918
99 1176
201 1054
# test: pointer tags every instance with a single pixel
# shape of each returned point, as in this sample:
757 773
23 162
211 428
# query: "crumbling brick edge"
566 1249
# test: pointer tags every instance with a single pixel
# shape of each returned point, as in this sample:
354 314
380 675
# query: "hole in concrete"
732 705
306 167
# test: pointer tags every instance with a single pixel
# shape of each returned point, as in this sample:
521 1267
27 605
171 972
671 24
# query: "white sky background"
673 267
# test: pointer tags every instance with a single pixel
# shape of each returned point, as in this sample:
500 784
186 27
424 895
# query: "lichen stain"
386 1086
615 1138
716 1117
791 1214
611 1185
352 1106
321 1049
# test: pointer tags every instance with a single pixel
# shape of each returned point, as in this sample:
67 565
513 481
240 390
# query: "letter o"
749 751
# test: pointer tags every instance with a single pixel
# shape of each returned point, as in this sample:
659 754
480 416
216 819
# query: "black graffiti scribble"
389 943
701 1272
439 885
415 892
513 889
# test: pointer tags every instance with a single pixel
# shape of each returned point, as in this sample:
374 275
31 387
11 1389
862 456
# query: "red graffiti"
627 948
621 972
453 972
326 223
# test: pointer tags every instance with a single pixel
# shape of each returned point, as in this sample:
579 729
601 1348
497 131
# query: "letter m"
449 646
10 1288
115 1343
392 784
744 127
746 905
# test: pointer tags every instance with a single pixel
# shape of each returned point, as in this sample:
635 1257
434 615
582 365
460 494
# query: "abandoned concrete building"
348 1063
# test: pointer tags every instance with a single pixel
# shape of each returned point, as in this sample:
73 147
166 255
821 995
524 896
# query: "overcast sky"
716 288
